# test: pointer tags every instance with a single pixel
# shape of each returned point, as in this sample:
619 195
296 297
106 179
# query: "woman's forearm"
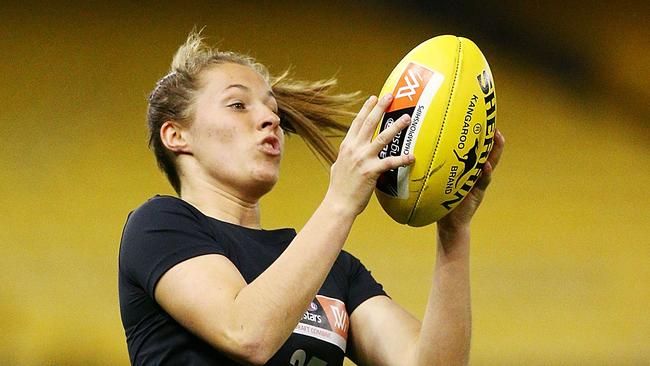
446 327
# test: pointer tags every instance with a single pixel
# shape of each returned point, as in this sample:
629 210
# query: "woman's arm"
250 322
383 333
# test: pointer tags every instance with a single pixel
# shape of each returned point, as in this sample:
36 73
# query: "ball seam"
442 127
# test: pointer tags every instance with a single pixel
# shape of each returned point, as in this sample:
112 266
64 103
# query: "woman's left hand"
462 215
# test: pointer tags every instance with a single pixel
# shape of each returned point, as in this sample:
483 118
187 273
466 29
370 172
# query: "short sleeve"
362 285
160 234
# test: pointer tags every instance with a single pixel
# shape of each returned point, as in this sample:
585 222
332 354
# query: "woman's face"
235 137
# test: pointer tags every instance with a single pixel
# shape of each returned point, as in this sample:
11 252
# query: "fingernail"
388 96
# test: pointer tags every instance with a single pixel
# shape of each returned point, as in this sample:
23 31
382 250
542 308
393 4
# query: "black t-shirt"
166 230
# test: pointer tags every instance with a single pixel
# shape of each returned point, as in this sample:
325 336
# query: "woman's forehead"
225 77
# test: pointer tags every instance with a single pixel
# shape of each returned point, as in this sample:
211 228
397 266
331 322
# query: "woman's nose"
269 120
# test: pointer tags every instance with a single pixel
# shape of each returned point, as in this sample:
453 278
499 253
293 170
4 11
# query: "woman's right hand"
355 172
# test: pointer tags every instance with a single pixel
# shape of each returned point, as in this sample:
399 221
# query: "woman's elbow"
250 349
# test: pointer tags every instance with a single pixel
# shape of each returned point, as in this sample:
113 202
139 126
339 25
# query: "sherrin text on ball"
446 86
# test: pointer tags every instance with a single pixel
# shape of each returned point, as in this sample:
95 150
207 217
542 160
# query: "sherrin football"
446 86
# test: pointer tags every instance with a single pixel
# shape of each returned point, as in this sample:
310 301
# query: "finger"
394 162
486 177
387 135
362 115
497 149
370 123
492 161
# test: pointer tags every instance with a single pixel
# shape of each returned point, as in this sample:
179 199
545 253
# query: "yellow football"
446 86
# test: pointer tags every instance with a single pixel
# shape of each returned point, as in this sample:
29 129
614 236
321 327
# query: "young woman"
201 283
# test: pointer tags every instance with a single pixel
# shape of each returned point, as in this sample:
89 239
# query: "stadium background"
560 247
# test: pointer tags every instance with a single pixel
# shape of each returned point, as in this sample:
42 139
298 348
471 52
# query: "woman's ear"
173 136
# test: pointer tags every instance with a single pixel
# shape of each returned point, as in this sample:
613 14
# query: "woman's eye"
237 106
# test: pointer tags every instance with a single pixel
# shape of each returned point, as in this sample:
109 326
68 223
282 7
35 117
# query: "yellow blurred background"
560 262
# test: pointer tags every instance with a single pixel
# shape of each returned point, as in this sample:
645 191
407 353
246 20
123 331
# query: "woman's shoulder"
159 202
347 261
346 256
350 264
164 211
159 205
166 221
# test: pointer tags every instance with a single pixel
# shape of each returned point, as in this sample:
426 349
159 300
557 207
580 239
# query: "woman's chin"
264 181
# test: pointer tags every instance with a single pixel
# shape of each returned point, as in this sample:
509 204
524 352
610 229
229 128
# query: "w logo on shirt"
337 316
340 318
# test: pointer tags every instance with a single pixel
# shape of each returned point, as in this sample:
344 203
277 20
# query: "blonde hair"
309 109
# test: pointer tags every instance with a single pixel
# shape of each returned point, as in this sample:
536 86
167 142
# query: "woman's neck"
221 204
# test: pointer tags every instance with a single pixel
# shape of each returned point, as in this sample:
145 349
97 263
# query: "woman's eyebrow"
247 89
238 86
